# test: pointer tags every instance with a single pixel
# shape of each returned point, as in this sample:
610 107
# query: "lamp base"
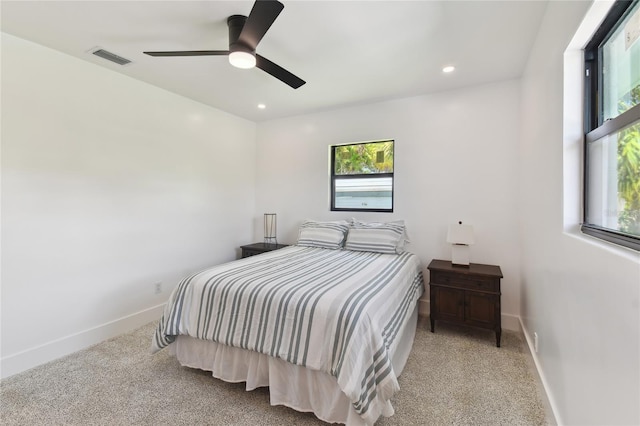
460 254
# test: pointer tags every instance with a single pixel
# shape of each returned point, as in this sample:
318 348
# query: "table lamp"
460 236
270 223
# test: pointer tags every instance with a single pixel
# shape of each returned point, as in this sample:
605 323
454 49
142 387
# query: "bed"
327 329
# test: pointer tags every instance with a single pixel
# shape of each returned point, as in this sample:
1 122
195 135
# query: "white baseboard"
423 307
550 406
24 360
509 322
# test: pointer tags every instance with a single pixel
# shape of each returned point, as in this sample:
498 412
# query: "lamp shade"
460 234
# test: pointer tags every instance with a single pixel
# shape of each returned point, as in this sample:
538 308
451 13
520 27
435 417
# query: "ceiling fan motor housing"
236 24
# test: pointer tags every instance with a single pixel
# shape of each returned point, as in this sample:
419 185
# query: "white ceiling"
348 52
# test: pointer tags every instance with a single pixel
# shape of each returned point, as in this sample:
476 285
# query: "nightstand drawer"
248 252
473 282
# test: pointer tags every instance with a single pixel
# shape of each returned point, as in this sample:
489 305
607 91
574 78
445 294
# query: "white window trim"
573 131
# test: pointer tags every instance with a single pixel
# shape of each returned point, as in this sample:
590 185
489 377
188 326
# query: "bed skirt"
290 385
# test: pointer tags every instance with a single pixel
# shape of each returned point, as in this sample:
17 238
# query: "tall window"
362 177
612 127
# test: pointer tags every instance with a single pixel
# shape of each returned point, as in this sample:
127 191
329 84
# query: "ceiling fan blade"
260 19
189 53
278 72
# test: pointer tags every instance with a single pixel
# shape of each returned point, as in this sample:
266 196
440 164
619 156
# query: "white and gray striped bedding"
336 311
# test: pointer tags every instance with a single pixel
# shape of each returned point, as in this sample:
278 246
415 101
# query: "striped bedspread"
337 311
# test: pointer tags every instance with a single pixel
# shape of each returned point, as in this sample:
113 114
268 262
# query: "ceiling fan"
245 32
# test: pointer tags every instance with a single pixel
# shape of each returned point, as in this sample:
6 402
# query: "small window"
362 177
612 127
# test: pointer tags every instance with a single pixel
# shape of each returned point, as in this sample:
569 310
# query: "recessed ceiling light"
448 69
262 106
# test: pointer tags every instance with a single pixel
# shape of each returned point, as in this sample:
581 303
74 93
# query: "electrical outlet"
157 288
535 341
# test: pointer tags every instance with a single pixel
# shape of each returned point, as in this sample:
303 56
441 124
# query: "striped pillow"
376 237
328 235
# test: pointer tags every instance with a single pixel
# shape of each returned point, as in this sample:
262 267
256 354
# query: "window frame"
334 176
595 127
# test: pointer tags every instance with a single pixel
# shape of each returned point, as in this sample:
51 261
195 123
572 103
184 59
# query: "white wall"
109 185
455 159
579 295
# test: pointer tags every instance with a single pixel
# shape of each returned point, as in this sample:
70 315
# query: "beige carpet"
453 377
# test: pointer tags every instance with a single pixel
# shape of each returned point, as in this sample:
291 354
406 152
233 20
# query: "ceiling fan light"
241 59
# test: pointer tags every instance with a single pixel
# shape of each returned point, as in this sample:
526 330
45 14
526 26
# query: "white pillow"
328 235
379 237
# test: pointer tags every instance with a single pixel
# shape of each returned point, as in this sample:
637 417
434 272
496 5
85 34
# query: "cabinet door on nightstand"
480 309
449 303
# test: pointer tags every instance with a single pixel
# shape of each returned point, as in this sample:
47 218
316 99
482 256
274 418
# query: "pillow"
405 236
328 235
379 237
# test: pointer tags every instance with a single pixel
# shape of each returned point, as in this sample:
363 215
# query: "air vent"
110 56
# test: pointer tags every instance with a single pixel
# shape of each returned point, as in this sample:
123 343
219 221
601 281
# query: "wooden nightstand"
465 295
257 248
